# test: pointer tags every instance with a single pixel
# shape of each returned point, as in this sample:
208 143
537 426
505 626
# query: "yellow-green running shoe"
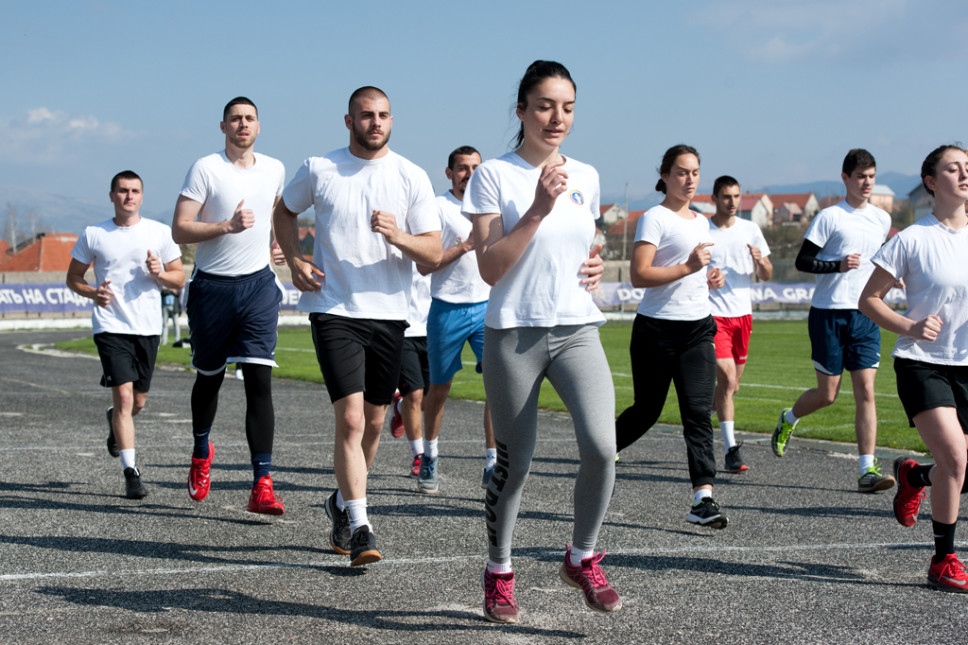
782 434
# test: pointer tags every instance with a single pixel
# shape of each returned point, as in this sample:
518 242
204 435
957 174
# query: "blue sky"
772 92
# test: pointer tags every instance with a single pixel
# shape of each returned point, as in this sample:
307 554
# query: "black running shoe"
707 513
133 488
363 545
734 460
112 444
339 536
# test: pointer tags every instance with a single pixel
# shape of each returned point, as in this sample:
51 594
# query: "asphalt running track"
805 559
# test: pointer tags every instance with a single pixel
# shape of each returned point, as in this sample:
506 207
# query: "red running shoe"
500 606
589 577
198 478
415 466
907 499
949 574
263 499
396 419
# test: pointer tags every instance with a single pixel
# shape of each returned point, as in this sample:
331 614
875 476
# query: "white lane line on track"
431 560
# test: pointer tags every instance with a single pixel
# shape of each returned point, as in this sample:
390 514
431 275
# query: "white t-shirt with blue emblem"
543 287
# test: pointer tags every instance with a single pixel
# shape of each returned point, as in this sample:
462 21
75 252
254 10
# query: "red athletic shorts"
733 337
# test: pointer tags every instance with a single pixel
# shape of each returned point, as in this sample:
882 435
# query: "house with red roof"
46 252
794 208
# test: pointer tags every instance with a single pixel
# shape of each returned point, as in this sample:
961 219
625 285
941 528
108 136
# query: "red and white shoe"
415 466
949 574
263 499
396 419
198 476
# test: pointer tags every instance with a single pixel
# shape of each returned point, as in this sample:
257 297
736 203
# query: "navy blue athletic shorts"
233 319
843 339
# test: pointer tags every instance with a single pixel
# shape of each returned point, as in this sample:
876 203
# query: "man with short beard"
225 207
375 217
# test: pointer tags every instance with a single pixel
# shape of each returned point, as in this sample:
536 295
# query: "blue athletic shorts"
233 319
843 339
126 358
358 355
449 325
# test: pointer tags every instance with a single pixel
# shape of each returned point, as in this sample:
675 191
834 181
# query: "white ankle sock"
340 502
430 448
127 458
726 428
577 555
866 461
416 447
490 457
499 567
356 510
699 495
792 420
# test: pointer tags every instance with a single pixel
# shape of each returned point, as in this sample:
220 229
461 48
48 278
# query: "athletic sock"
499 567
430 448
127 458
490 457
866 463
944 539
577 555
920 475
700 495
356 510
261 462
340 502
416 447
790 418
201 443
726 428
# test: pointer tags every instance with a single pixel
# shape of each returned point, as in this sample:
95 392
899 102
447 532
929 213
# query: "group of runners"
511 257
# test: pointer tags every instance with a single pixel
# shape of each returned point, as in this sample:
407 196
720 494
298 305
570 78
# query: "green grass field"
778 370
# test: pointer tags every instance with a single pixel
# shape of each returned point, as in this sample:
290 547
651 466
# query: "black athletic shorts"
126 358
414 368
925 386
358 355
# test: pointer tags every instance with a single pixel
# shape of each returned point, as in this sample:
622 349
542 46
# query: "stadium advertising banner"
45 297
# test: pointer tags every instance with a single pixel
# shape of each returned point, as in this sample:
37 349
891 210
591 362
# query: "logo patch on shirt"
577 197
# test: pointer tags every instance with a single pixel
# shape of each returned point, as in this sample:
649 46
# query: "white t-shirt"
365 276
543 287
219 185
730 254
931 259
674 239
119 254
839 231
419 305
460 281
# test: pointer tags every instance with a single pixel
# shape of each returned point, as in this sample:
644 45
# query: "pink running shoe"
589 577
263 499
198 478
500 605
396 419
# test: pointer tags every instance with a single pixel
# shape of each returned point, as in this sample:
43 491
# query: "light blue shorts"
449 326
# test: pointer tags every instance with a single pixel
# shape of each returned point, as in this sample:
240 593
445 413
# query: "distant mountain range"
900 184
62 214
56 213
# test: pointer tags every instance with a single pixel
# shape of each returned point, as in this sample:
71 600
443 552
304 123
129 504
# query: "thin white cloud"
44 136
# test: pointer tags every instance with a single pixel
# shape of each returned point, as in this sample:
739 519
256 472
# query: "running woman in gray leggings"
533 215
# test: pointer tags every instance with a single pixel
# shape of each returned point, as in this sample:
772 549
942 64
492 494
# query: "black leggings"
260 418
680 352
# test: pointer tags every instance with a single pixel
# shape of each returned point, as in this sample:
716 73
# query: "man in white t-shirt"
375 216
739 250
457 309
225 207
134 259
838 247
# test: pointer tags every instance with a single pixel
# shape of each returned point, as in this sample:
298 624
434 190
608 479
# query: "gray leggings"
515 363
